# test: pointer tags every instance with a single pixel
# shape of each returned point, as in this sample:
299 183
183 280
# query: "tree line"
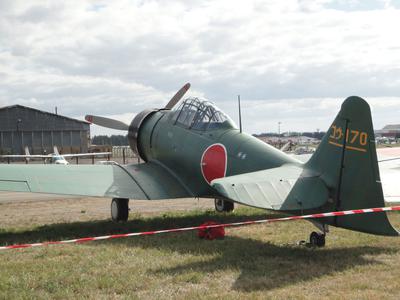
317 134
113 140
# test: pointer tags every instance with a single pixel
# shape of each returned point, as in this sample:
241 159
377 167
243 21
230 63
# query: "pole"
240 115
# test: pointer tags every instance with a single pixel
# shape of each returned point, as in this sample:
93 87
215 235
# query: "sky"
292 61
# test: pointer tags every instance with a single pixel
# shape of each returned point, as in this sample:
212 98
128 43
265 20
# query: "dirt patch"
26 209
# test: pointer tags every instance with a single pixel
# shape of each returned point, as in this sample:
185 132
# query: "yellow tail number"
355 139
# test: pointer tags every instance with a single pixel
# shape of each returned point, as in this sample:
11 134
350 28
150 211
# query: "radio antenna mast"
240 115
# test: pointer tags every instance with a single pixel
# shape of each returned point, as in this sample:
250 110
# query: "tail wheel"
119 209
223 205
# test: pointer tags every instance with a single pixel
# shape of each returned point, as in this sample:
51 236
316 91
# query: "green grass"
260 261
388 145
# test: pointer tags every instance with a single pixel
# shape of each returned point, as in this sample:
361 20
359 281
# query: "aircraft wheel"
317 239
119 209
223 205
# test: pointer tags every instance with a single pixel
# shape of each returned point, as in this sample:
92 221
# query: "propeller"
178 96
115 124
107 122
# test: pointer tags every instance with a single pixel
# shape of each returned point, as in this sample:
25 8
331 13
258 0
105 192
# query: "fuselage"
58 160
197 154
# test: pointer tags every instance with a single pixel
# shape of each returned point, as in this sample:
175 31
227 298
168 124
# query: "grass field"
260 261
388 145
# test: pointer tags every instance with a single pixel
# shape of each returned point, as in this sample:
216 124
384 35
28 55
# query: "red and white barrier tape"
123 235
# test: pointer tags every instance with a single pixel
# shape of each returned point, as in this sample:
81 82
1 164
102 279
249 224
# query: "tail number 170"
352 136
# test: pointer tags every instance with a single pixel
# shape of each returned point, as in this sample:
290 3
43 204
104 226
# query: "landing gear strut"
317 239
119 209
223 205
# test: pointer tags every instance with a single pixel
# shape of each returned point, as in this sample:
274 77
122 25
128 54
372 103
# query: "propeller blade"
107 122
178 96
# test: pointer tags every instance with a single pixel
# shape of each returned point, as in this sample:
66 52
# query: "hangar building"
389 131
22 126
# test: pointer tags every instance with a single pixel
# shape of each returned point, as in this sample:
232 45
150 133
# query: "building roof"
43 112
392 127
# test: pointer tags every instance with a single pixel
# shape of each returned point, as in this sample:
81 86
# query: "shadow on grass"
268 266
262 265
58 231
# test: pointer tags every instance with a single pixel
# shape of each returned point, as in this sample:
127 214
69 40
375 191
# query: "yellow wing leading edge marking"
355 140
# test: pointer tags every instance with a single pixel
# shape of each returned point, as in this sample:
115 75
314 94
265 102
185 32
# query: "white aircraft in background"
389 169
53 158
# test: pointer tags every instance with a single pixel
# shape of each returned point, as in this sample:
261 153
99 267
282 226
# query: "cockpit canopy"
200 114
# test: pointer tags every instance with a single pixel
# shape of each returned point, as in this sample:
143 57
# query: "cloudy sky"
291 61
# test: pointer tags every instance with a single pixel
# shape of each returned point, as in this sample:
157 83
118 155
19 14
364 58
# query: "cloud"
119 57
307 114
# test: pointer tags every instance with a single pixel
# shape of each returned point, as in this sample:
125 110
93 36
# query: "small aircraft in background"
190 148
53 158
389 169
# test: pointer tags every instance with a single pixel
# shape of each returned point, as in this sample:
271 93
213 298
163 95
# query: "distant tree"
317 134
114 140
266 134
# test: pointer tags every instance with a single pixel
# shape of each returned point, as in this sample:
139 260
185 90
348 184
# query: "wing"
283 188
87 154
388 154
389 168
144 181
390 174
25 156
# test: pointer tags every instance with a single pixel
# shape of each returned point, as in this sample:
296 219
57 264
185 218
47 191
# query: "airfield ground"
261 261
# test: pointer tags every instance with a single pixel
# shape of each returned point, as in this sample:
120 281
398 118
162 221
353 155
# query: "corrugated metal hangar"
22 126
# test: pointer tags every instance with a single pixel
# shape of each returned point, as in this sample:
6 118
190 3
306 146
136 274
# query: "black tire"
321 242
119 209
229 206
223 205
317 239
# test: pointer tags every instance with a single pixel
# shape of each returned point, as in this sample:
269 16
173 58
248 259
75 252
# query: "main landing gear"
223 205
317 239
119 209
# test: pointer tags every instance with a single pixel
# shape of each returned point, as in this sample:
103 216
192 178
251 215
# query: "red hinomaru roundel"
213 162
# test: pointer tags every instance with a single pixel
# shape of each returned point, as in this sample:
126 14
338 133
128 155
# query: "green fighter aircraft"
195 150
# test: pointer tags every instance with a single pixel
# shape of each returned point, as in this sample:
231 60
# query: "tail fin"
27 159
346 161
55 149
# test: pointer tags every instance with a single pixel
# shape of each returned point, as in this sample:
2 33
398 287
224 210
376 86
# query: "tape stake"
236 224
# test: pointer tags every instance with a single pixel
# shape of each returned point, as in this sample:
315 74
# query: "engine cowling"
134 131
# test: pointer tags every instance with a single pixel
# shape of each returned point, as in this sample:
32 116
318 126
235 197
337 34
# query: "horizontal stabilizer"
285 188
